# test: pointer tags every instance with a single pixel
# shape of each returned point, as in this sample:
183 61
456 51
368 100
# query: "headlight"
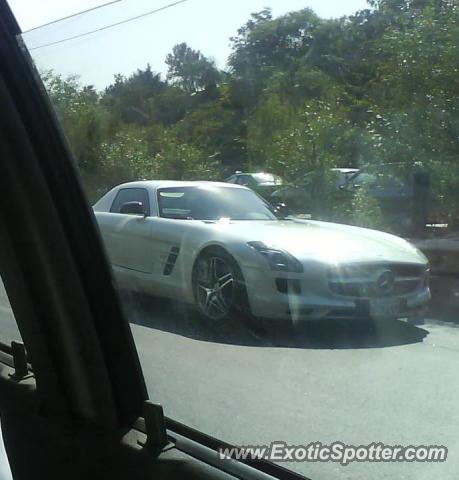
279 260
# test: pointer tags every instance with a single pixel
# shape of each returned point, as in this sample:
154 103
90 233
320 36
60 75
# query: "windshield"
267 178
383 182
212 203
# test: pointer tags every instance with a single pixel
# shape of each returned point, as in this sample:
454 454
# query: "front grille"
361 280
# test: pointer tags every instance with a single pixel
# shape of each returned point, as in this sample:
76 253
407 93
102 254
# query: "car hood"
328 242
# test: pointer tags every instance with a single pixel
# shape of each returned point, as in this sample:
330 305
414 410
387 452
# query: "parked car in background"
263 183
220 247
343 176
300 197
402 197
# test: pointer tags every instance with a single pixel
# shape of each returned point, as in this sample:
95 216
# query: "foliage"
361 210
181 161
302 94
190 69
125 158
83 121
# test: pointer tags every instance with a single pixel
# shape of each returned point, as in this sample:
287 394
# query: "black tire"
219 287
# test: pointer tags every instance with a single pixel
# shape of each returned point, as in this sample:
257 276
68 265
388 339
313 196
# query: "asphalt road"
396 383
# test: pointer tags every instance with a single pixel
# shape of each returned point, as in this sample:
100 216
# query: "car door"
128 236
167 234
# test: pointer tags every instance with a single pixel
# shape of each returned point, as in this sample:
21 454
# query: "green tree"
190 69
265 45
181 161
124 157
302 95
83 119
135 99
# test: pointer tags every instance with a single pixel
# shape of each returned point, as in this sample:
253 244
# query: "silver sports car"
221 247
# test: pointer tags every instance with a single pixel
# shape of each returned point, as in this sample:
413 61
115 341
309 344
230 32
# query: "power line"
109 26
73 15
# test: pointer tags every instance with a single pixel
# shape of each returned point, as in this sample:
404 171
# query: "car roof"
175 183
345 170
254 173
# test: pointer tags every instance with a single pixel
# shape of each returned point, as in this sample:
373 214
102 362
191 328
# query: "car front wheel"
218 286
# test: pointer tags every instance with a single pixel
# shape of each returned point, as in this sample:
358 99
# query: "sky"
205 25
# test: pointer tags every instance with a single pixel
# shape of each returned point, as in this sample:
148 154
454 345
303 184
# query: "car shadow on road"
179 319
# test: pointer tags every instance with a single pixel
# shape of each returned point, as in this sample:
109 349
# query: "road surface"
397 383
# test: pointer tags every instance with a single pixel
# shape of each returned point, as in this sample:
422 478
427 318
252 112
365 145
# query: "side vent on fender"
171 259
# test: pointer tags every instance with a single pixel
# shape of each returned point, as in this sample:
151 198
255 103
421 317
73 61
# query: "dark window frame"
146 205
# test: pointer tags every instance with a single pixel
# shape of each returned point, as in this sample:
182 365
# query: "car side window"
242 180
232 179
130 195
251 182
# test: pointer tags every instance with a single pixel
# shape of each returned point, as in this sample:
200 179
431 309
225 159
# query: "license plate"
384 307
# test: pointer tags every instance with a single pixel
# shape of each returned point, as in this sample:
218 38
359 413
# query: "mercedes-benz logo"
385 282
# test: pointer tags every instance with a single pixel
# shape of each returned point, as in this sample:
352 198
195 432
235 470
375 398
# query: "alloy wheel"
215 287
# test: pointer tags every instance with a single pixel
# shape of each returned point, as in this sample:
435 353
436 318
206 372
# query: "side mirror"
133 208
282 210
